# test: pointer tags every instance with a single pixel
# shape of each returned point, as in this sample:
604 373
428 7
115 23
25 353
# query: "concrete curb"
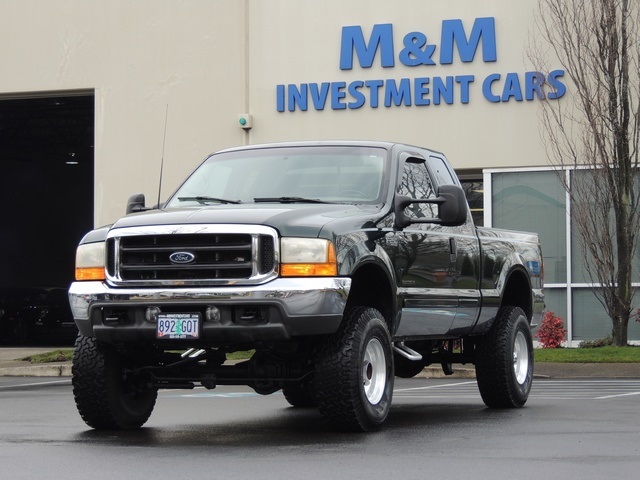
64 370
436 372
50 370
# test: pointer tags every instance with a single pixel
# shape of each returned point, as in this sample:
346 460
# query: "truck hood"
289 219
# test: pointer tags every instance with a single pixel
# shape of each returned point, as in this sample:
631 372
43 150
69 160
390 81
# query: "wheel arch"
371 286
517 291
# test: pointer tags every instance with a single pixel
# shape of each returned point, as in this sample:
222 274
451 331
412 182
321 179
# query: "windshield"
287 175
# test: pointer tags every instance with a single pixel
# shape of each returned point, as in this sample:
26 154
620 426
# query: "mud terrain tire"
354 372
105 397
504 363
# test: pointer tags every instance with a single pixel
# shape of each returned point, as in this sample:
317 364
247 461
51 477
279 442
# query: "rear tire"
105 397
354 372
504 363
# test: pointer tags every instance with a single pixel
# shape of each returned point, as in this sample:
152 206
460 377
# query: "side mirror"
452 208
136 203
453 212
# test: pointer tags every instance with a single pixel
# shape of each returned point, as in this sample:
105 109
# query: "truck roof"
317 143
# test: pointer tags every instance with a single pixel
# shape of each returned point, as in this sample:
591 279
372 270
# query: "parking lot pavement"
542 389
578 428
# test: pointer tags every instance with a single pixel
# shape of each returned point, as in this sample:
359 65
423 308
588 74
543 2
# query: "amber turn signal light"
96 273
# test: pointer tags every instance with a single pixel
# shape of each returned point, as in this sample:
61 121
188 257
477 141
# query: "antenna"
164 139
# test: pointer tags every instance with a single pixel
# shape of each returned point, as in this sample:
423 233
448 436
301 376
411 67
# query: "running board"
406 352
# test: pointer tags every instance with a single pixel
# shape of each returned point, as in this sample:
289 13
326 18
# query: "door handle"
453 249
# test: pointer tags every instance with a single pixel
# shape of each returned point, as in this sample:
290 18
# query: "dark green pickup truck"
341 264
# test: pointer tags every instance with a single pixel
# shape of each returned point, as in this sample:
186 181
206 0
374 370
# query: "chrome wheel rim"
520 358
374 371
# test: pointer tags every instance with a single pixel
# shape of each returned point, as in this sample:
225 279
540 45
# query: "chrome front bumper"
298 306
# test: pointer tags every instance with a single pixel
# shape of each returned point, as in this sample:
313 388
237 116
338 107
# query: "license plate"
178 325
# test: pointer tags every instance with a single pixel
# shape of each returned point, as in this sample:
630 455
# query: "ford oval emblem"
182 257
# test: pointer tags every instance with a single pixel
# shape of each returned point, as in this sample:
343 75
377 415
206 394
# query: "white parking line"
35 384
619 395
211 394
428 387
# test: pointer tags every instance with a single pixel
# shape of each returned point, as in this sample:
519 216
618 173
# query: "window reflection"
416 183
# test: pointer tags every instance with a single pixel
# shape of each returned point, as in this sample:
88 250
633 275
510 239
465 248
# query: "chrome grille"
208 255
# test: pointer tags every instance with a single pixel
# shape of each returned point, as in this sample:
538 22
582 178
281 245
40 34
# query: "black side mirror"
136 203
453 212
452 208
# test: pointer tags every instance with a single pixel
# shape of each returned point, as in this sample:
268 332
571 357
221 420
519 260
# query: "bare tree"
594 132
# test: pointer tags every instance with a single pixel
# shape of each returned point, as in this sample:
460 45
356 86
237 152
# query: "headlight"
90 261
307 257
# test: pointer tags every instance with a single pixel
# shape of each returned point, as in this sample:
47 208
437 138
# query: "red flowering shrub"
551 332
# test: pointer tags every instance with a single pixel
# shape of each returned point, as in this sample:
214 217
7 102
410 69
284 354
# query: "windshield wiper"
288 200
203 199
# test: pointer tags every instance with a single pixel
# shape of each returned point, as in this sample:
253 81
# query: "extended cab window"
440 171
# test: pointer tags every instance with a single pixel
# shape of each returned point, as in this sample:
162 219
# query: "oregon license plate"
178 325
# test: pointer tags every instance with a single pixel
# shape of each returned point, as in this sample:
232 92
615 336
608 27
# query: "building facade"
167 82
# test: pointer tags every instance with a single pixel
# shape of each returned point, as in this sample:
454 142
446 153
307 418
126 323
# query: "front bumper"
275 311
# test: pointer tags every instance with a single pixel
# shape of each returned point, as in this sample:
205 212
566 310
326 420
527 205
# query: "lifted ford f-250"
341 264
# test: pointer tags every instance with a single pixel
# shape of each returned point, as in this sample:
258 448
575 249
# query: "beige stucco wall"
302 45
208 61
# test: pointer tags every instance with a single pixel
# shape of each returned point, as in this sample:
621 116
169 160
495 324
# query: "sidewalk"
12 365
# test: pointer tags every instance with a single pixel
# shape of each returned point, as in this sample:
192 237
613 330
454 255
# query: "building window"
535 200
473 186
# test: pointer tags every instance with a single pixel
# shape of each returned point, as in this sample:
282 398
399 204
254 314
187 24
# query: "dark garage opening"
46 205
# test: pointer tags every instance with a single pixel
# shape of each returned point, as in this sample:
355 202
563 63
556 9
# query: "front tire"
105 396
354 372
504 363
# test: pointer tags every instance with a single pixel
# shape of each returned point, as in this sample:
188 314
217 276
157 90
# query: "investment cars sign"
418 52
